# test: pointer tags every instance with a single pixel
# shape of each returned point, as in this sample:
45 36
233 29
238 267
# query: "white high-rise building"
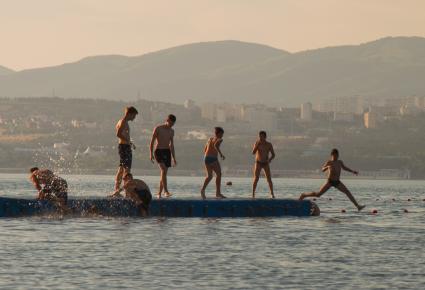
370 120
306 112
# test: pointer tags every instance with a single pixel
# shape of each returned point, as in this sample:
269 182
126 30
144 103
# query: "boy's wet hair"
172 118
262 133
131 110
33 169
218 130
335 152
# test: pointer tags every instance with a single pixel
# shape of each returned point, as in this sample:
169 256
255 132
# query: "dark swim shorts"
126 156
145 196
334 183
163 156
210 159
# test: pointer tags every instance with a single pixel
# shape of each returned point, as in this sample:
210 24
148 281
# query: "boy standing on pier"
164 154
262 150
334 167
125 145
211 153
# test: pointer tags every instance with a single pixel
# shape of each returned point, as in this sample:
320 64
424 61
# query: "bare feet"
360 207
158 195
302 196
272 196
203 194
219 196
253 196
167 194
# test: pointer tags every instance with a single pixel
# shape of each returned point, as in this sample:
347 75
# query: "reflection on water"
336 250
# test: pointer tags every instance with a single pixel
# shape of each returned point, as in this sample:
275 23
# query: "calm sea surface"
334 251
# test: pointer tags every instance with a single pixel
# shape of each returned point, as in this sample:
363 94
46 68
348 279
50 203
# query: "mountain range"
234 71
5 70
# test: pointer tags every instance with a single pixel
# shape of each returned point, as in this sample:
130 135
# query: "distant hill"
5 70
235 71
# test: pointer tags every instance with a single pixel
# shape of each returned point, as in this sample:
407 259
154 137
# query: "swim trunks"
145 196
209 159
334 183
163 156
126 156
262 163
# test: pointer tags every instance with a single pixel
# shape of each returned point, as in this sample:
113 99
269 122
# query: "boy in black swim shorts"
164 154
334 167
125 145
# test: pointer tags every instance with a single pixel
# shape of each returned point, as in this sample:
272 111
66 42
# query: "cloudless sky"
35 33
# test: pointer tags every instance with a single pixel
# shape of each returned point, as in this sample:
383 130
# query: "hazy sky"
36 33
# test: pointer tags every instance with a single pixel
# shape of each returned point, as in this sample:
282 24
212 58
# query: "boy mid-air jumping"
334 167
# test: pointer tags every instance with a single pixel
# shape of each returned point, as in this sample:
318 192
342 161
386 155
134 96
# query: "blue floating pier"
214 208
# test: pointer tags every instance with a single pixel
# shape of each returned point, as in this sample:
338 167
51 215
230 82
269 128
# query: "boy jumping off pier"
334 167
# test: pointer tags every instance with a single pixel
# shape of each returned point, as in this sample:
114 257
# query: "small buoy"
405 210
343 210
330 198
229 183
377 199
409 199
393 199
374 211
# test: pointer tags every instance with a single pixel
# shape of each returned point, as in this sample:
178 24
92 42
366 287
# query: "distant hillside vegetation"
235 71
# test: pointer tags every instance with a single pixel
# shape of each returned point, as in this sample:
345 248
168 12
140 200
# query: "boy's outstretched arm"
348 169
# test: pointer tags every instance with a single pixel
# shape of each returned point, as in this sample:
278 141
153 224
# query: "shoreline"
279 174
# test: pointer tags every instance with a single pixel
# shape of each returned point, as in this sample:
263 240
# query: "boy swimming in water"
262 150
212 150
334 167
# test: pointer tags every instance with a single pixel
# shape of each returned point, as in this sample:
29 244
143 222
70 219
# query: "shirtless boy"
163 140
262 150
137 191
50 186
334 167
212 150
125 145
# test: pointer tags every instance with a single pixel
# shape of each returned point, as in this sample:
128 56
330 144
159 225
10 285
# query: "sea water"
337 250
